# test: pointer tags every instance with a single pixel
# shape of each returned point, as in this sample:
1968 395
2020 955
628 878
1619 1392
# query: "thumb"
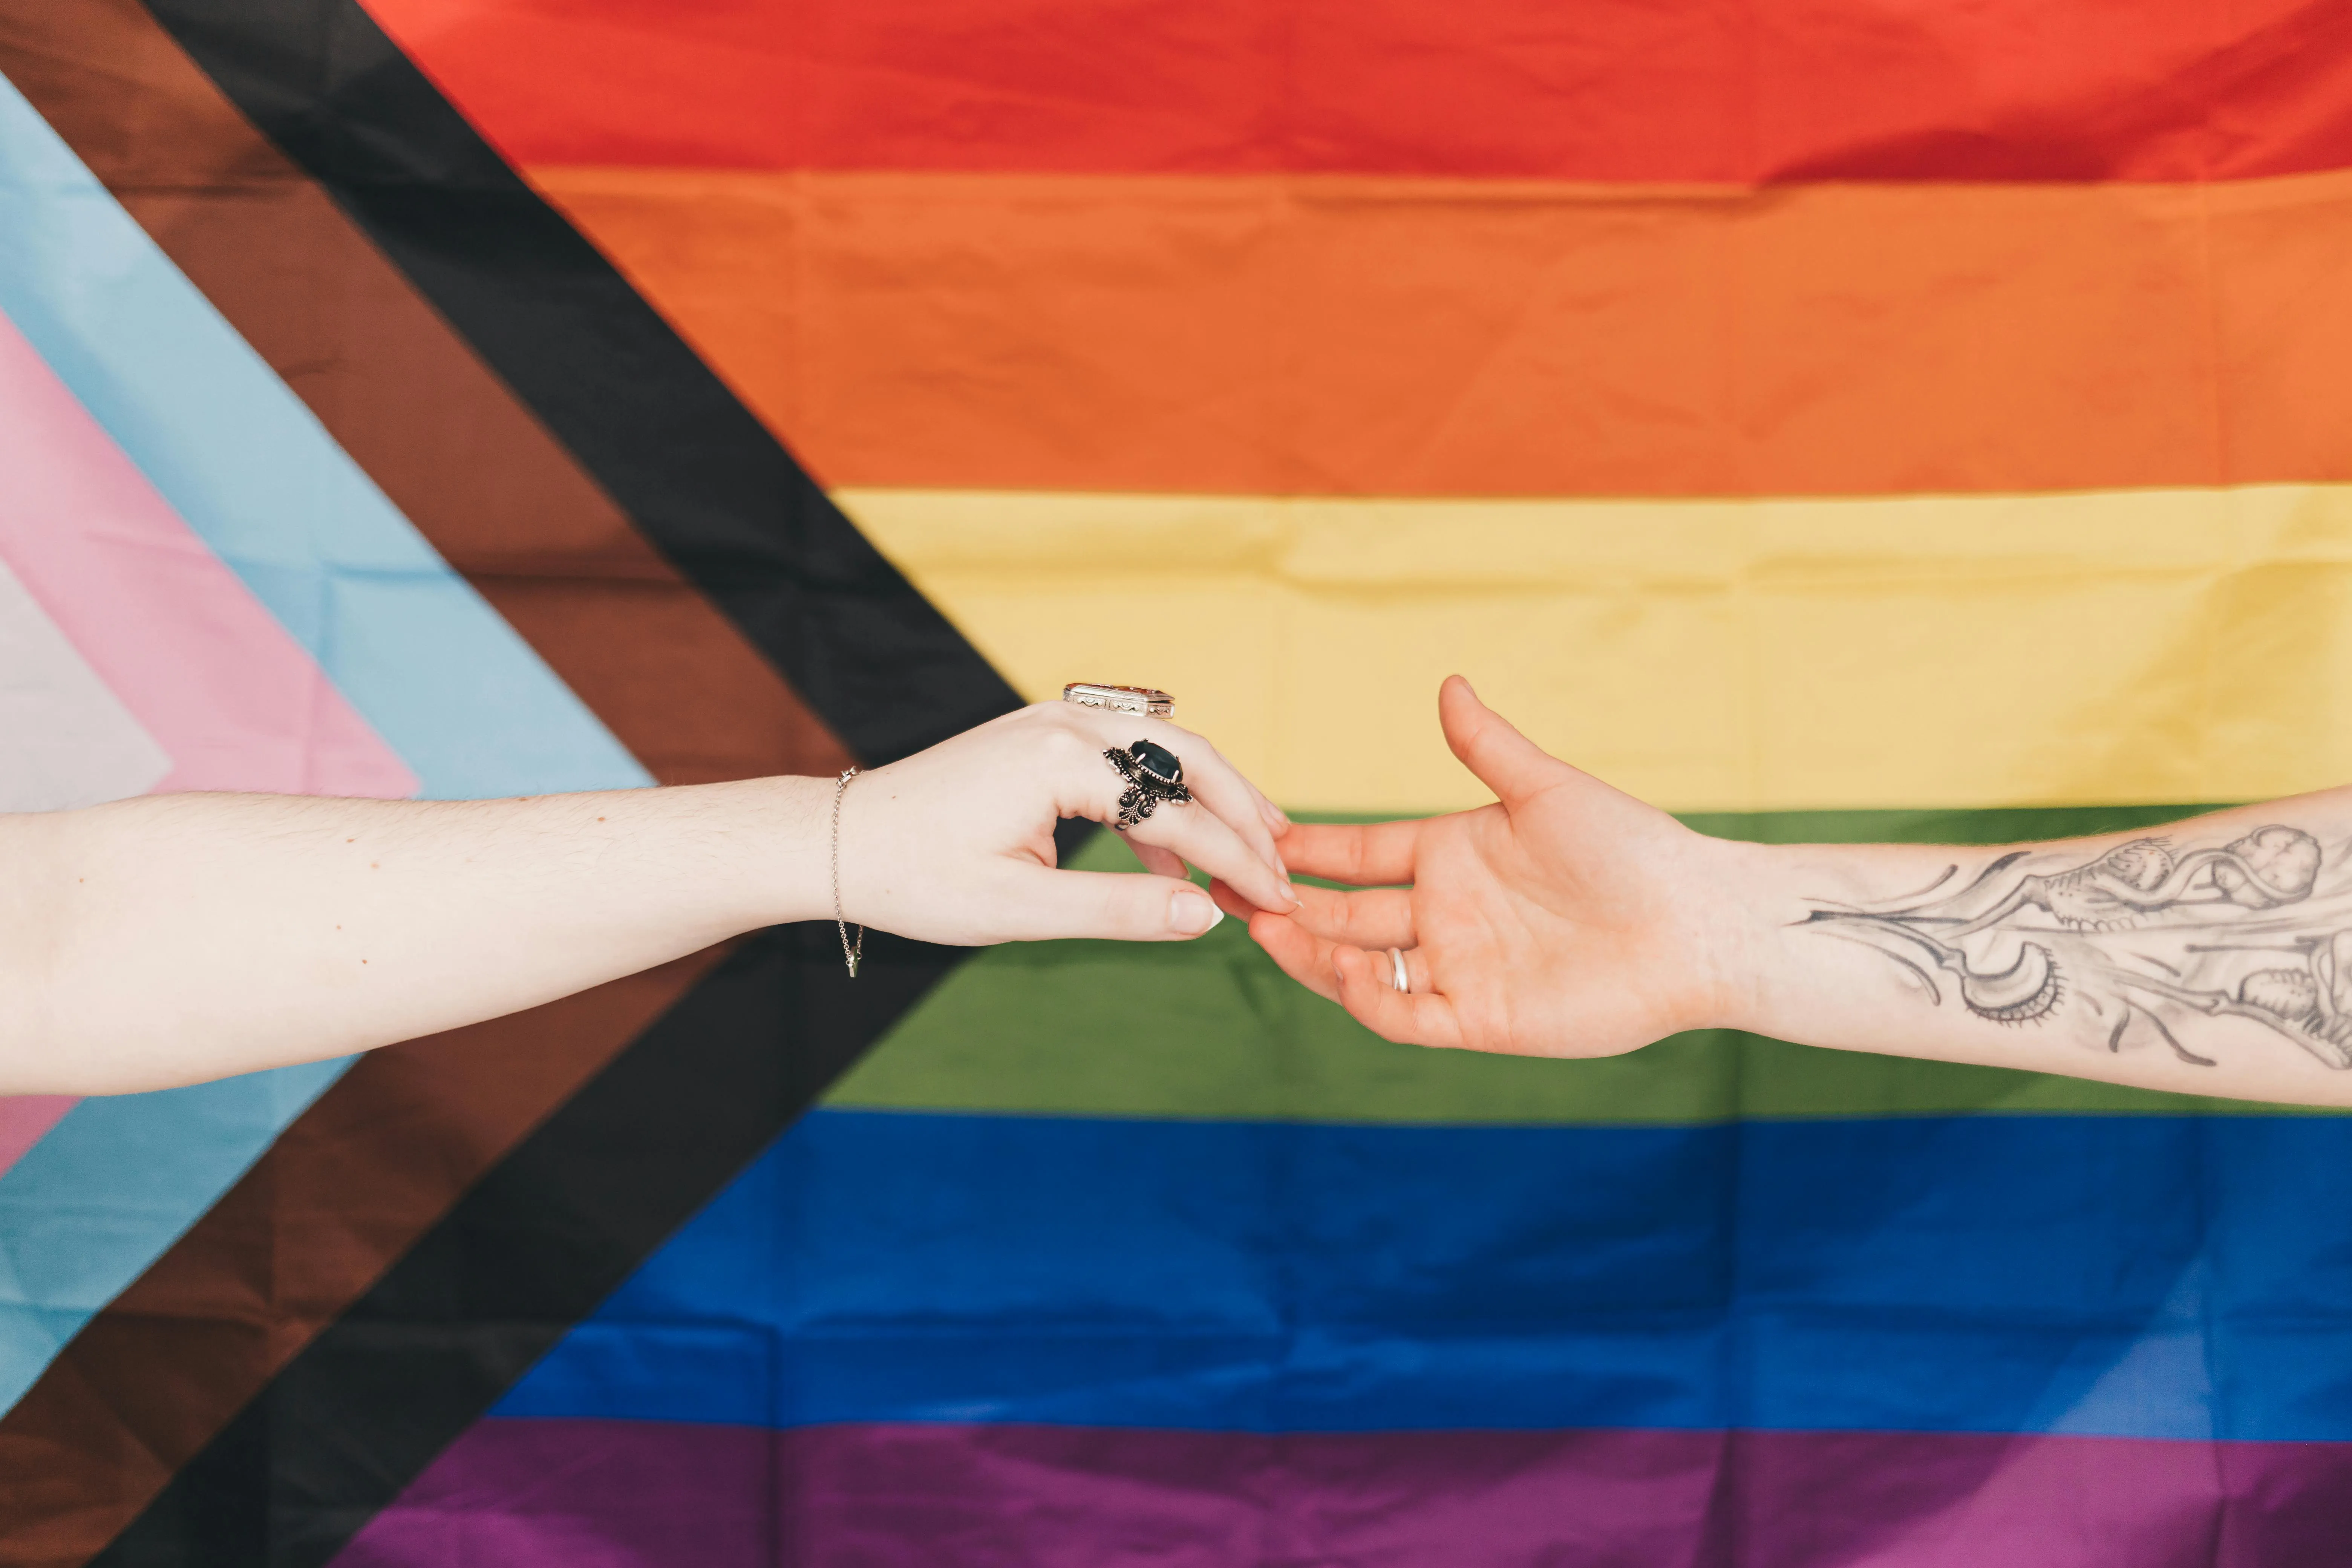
1507 762
1122 906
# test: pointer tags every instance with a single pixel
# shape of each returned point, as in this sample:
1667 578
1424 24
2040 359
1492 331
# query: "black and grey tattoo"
2146 943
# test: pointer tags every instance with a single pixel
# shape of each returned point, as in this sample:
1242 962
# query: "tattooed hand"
1570 920
1566 920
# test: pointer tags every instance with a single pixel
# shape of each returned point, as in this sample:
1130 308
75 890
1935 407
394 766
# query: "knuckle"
1037 715
1065 747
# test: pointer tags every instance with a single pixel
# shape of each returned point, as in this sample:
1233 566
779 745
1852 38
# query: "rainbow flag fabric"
1849 420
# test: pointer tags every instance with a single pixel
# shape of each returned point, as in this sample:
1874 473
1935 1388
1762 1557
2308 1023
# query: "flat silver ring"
1397 976
1145 701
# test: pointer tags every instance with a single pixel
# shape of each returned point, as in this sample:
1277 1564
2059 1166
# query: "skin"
1570 920
273 929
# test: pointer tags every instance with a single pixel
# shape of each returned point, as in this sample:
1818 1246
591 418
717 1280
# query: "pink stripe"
25 1117
238 704
205 669
620 1494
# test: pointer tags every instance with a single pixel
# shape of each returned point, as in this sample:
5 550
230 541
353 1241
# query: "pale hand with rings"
173 939
956 844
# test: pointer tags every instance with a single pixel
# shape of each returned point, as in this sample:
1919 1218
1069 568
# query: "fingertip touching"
1230 901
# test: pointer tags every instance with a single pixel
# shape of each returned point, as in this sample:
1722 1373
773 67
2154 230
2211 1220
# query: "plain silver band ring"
1397 976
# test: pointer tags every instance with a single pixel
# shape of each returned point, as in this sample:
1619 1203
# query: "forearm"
135 938
2213 956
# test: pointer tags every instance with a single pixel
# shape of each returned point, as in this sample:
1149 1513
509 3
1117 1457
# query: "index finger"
1224 789
1363 853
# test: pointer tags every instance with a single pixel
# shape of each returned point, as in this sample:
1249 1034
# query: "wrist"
1735 910
778 849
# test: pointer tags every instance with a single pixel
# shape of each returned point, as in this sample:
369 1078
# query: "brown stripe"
382 1155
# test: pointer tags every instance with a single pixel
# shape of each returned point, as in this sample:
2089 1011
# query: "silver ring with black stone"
1155 777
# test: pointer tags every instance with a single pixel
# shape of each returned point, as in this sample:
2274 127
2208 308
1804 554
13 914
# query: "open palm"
1560 921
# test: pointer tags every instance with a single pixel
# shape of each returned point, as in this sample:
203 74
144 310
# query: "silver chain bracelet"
849 955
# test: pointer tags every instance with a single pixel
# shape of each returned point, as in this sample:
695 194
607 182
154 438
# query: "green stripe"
1213 1029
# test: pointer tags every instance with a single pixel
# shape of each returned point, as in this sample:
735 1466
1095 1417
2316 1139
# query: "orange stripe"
1283 335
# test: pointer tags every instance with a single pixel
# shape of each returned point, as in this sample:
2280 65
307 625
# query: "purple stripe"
605 1494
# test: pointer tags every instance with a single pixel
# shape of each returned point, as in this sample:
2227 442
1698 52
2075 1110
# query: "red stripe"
1601 89
587 1494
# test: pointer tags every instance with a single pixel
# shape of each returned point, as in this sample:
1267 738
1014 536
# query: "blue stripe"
462 700
2140 1277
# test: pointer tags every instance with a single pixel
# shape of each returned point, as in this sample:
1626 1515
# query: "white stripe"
65 739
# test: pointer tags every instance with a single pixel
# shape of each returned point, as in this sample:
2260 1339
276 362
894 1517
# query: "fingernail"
1291 893
1273 816
1192 914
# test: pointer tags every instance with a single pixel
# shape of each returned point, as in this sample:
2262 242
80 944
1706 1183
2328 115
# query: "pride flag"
1850 422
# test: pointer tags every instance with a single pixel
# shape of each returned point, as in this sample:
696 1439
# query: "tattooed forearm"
2199 948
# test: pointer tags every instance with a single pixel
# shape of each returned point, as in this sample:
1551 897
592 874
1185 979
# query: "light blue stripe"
90 1207
466 703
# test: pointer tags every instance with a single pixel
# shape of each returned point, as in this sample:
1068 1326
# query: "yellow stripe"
2146 645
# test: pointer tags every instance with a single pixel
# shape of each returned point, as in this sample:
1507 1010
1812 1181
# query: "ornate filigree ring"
1154 777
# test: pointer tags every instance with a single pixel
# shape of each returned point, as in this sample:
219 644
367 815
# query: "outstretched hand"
173 939
956 844
1564 920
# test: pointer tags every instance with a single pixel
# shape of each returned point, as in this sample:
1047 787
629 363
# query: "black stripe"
530 1251
542 1239
708 483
